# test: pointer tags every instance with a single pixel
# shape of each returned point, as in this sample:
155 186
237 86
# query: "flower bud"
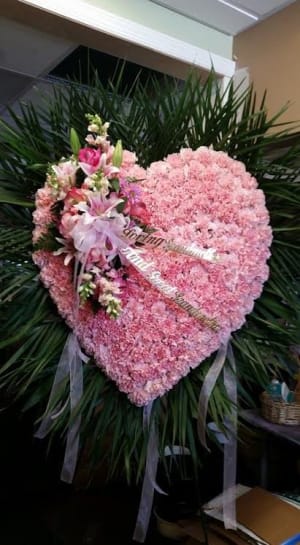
75 142
117 154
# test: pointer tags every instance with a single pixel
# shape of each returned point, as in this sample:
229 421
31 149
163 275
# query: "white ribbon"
230 446
206 390
61 375
227 438
148 239
69 365
149 483
145 268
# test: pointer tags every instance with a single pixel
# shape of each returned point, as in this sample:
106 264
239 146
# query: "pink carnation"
129 159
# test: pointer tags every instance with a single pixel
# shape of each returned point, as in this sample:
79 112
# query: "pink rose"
89 160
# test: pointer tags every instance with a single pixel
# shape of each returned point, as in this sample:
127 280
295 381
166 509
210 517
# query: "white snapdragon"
108 297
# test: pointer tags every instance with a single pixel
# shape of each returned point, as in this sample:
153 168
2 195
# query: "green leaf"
10 197
121 205
115 184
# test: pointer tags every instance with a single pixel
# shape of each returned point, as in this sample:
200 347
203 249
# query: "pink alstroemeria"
109 170
66 248
67 223
106 165
73 197
64 178
65 171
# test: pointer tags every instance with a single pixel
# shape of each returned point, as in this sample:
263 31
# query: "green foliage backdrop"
153 120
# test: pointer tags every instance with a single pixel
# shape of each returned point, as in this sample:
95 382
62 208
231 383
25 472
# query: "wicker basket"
280 412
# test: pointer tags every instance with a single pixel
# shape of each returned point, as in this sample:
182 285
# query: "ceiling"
228 16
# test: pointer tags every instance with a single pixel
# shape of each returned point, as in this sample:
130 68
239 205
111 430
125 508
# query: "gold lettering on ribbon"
147 239
154 277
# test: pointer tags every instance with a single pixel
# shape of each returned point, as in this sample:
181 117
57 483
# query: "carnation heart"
200 197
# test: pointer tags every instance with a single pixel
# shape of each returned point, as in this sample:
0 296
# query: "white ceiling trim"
130 31
238 8
228 16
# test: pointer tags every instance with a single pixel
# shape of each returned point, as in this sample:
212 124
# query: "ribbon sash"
76 390
154 277
147 239
206 390
61 375
230 447
228 439
149 483
69 365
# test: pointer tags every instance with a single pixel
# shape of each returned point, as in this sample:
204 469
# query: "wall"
26 53
28 50
271 51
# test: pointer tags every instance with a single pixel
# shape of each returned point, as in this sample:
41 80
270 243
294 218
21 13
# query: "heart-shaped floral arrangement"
153 269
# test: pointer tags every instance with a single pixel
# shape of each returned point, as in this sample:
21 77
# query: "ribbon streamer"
146 269
149 483
76 390
69 365
230 447
229 441
61 374
206 390
147 239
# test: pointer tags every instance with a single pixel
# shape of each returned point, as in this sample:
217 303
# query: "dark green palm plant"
153 120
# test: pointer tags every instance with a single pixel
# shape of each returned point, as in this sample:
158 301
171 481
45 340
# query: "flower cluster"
94 203
202 197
